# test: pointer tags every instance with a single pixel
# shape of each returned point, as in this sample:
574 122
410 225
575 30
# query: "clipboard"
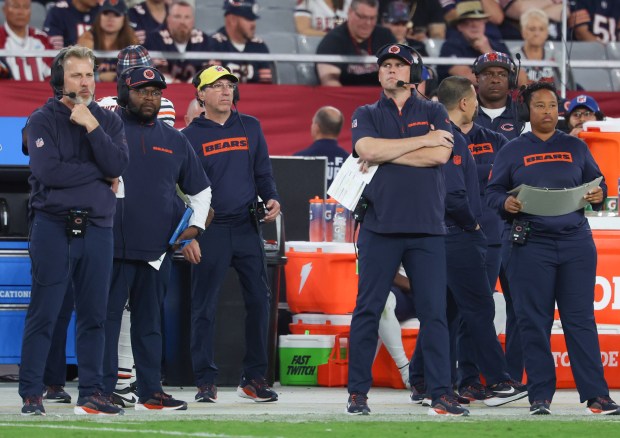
541 201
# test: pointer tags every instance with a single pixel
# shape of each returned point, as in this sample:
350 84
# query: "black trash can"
230 323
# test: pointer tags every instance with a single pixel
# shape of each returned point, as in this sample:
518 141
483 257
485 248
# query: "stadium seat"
38 13
585 50
306 45
613 50
275 18
593 79
290 4
615 79
433 46
209 18
283 43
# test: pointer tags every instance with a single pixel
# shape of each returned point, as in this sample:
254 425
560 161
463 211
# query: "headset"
196 83
497 59
57 76
525 96
415 72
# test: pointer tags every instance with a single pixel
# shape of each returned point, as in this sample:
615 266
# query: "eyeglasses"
369 18
142 92
580 114
221 86
492 75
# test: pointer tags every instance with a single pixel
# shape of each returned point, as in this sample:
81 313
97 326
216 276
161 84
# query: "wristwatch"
200 230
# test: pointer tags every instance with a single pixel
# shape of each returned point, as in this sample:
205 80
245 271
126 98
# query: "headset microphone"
518 56
403 83
71 95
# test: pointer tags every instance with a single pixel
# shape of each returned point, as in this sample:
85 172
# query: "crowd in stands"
466 28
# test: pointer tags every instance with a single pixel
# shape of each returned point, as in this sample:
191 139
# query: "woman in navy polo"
556 261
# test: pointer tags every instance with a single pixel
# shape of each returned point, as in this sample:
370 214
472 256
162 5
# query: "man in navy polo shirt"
160 158
409 139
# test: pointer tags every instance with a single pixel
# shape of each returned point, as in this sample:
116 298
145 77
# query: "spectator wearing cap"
234 154
111 31
358 36
178 35
317 17
148 16
469 40
581 109
238 35
67 20
160 158
426 18
397 20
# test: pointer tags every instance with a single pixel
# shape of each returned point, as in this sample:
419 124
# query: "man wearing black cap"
409 139
160 158
238 35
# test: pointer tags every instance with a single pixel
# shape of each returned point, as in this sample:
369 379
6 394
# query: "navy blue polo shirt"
403 199
463 206
484 145
563 161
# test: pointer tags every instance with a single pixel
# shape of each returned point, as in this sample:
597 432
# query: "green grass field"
355 426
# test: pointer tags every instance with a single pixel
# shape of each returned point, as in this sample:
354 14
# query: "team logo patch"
219 68
149 74
528 160
394 49
507 127
39 143
457 159
354 123
114 2
481 148
581 99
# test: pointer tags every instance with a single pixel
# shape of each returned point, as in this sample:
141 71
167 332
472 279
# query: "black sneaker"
357 404
506 392
257 390
96 404
540 407
57 393
418 393
447 405
160 401
125 395
475 392
33 405
603 406
207 393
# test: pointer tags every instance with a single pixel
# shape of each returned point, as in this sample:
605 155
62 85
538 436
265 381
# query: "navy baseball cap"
247 9
399 51
117 6
492 59
585 101
144 77
398 12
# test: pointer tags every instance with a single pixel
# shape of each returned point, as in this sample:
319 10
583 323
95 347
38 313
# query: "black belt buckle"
519 232
77 221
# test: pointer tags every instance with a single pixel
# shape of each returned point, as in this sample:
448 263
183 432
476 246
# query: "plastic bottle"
316 230
340 225
330 211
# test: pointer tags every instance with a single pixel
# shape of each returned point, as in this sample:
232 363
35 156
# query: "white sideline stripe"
114 429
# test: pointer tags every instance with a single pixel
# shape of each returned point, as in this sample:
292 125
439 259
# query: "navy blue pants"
424 260
542 272
56 364
145 287
223 245
56 262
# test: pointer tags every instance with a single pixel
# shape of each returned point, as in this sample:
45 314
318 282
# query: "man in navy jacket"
147 216
77 152
233 151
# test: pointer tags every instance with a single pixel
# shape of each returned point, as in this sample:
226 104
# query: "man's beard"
144 118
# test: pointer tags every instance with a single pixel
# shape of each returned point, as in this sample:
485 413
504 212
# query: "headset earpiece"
122 90
57 75
415 72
